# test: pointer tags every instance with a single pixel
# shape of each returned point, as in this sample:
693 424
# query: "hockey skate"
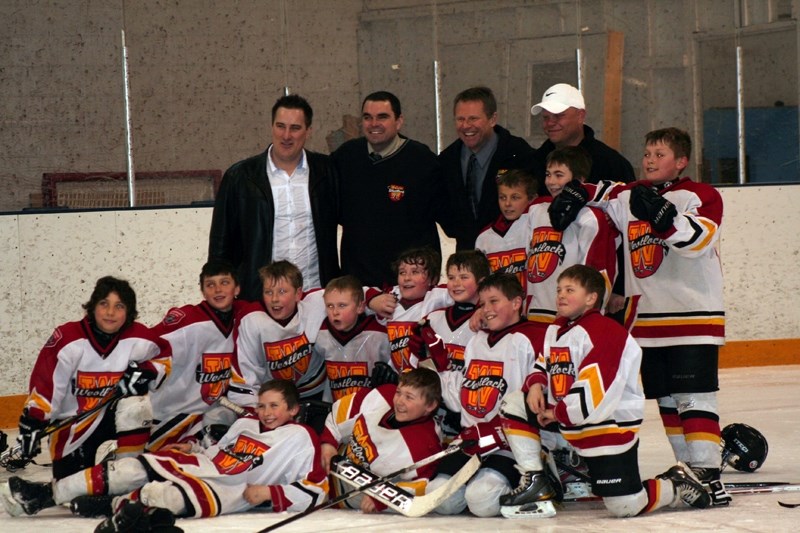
32 496
687 487
533 498
92 506
710 478
135 517
572 472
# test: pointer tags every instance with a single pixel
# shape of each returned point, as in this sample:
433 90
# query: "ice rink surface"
764 397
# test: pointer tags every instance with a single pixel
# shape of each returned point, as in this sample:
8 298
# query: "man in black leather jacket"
280 204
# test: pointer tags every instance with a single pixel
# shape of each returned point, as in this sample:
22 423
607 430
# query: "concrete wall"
52 261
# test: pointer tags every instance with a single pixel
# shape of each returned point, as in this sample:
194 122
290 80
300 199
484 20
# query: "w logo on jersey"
483 387
561 370
455 357
647 250
90 388
242 456
399 335
346 378
547 252
289 358
510 262
361 450
213 374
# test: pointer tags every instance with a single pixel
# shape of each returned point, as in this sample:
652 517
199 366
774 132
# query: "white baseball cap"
559 98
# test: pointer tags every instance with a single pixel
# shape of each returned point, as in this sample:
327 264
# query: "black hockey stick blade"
453 448
789 505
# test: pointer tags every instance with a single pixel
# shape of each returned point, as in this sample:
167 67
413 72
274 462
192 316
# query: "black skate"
710 479
31 495
533 498
135 517
92 506
687 487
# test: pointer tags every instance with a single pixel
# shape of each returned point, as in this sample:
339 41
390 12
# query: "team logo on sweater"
510 262
483 387
561 370
361 450
455 357
54 338
173 317
288 358
245 454
647 250
399 336
347 377
213 374
396 192
547 252
90 388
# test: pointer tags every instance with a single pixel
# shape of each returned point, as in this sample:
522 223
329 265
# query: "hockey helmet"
743 447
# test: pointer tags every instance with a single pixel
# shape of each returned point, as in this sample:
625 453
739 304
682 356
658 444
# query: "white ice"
765 398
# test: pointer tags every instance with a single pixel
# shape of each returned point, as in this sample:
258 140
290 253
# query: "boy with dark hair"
587 381
385 429
202 340
496 362
262 458
79 366
349 341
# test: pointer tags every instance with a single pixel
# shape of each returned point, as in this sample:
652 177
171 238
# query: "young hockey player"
505 241
386 429
673 277
201 338
267 458
80 366
276 337
587 380
414 296
350 342
495 364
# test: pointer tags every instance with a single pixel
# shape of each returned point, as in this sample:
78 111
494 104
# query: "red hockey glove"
488 436
434 346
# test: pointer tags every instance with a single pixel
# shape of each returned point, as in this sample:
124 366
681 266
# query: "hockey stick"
453 448
399 499
789 505
9 454
760 487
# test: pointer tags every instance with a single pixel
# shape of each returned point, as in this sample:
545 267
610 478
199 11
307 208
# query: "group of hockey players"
229 405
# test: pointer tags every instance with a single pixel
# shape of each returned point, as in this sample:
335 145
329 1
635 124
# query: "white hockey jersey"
674 279
453 328
590 370
350 356
505 243
269 350
286 458
74 373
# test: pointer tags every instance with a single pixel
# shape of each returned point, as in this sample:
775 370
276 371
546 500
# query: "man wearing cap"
563 113
469 165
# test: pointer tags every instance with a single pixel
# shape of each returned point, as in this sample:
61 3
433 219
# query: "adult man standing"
390 193
563 113
280 204
471 163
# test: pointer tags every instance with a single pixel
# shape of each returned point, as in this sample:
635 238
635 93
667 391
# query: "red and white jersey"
590 370
74 373
674 278
267 349
350 356
286 458
364 422
454 332
589 240
505 243
406 316
495 363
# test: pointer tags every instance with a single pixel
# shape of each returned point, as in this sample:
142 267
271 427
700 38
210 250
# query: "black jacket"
511 153
244 214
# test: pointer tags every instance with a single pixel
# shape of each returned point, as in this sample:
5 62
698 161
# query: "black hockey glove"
136 379
382 374
565 207
648 205
30 435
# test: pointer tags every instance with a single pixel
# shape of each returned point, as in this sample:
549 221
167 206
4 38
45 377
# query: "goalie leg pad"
165 495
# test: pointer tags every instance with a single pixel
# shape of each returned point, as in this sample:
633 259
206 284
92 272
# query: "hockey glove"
136 379
382 374
648 205
487 437
30 435
434 345
565 207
